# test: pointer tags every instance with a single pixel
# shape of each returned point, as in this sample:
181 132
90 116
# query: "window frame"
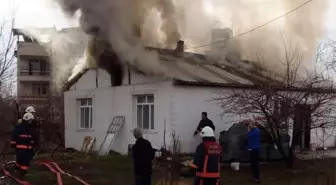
151 110
38 88
91 112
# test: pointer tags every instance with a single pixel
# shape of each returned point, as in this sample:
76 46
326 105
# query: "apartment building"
33 71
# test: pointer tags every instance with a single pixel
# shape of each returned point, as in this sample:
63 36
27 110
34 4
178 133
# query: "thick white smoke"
65 48
129 25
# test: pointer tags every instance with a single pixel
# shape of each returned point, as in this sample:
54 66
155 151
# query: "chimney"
180 46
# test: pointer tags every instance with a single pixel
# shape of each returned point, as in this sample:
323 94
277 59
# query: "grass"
117 170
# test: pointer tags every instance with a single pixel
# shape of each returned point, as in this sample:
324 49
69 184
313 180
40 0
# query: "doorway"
302 126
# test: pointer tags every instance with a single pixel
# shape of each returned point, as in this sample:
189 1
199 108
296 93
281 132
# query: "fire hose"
52 166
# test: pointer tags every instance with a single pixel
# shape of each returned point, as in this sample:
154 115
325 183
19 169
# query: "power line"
249 31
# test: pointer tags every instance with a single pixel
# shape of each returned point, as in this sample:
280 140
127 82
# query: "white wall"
109 102
323 137
179 107
187 104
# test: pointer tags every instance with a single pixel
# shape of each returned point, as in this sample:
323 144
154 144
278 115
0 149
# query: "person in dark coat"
207 159
143 154
254 146
203 123
23 141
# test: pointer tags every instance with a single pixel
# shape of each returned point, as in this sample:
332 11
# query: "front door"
302 124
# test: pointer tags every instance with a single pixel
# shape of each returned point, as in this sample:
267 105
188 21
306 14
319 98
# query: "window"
85 113
40 89
38 66
145 111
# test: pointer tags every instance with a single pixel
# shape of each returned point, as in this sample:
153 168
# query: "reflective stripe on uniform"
194 166
207 175
25 136
24 167
23 147
13 142
205 165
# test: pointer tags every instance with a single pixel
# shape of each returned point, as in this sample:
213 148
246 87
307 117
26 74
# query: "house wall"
109 102
187 104
177 109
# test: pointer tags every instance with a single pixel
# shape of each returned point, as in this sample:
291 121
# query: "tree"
52 122
287 102
7 58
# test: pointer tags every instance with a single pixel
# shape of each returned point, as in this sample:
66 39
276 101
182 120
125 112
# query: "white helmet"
207 132
28 116
30 109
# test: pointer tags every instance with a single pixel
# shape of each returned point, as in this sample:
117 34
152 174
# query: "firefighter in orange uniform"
23 141
207 159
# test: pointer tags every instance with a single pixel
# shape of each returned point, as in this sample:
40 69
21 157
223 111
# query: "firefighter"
29 109
22 141
35 128
207 159
205 121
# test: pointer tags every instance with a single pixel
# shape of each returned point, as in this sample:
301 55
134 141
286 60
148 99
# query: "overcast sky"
43 13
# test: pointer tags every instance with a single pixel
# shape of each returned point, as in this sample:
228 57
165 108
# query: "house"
160 104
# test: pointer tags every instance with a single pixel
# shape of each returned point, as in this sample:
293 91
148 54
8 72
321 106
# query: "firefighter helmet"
28 116
207 132
30 109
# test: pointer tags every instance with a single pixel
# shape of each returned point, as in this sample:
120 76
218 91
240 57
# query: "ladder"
114 128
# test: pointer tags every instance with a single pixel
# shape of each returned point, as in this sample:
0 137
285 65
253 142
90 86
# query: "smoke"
301 29
58 43
129 25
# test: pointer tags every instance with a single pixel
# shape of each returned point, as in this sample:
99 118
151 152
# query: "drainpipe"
129 75
97 77
95 57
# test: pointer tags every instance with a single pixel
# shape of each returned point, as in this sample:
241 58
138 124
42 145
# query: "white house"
154 103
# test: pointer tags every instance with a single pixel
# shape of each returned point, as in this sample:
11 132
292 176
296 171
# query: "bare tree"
51 120
7 99
7 58
288 103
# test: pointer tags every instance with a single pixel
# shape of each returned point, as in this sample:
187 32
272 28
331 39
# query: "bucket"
235 166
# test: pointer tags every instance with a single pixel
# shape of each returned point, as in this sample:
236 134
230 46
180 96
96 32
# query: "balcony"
30 49
32 99
33 75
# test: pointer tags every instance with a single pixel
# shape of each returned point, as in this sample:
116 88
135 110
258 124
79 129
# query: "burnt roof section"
71 82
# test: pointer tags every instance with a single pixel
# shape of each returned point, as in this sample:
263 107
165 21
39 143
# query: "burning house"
160 104
159 90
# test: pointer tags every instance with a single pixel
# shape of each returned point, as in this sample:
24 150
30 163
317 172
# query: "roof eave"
254 86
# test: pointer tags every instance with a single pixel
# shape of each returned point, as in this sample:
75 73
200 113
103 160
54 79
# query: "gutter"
255 86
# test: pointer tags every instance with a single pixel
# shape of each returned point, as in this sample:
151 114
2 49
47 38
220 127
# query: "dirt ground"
117 170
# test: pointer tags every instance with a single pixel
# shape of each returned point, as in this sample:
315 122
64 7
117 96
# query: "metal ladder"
114 128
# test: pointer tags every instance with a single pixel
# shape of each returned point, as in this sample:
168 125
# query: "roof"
29 38
194 67
74 79
199 69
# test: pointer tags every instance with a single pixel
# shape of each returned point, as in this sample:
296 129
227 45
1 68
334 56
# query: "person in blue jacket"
23 141
207 159
254 146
